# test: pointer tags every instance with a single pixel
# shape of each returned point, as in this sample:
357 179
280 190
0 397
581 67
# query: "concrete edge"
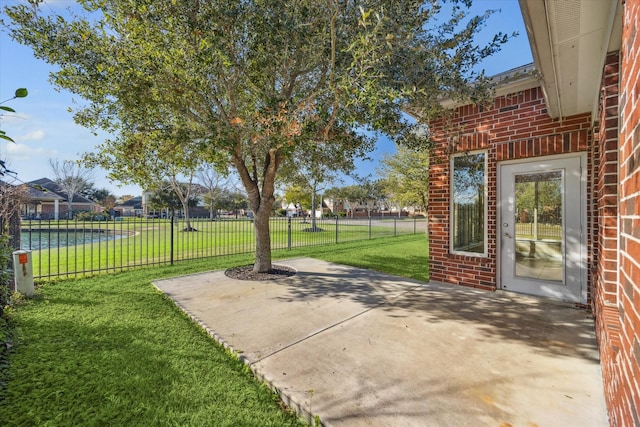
286 398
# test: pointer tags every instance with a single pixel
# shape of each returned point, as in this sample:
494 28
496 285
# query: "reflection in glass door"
538 226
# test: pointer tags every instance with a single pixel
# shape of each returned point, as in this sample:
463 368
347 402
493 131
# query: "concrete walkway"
361 348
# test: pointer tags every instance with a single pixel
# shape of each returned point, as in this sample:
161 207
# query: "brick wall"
622 368
605 232
606 184
515 126
47 209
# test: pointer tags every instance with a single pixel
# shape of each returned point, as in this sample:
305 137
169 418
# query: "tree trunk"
313 210
187 218
260 194
10 223
14 229
261 227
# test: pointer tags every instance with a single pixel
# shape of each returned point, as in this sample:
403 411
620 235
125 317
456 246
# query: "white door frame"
580 258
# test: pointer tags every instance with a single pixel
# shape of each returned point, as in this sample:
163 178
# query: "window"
468 203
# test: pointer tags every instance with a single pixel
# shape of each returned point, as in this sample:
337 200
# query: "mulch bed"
246 273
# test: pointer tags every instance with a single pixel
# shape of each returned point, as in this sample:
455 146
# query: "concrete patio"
360 348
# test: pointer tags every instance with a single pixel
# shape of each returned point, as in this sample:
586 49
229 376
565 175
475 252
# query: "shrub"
6 274
89 216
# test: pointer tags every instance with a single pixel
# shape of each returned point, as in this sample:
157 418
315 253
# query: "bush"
83 216
89 216
6 274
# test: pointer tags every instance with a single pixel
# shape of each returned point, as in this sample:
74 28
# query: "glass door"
542 238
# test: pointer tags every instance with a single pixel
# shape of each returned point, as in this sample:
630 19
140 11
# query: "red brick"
526 132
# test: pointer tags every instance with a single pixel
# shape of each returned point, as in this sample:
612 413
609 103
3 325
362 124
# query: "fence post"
336 228
289 233
171 243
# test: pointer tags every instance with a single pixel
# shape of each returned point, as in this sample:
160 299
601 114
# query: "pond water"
46 239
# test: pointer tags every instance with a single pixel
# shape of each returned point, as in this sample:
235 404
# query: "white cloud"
22 152
35 135
14 117
54 3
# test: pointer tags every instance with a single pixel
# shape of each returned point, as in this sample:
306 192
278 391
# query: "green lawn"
142 242
112 350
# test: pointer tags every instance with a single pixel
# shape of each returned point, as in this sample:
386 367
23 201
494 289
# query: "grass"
111 350
405 256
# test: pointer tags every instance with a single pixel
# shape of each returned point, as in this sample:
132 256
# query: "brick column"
622 367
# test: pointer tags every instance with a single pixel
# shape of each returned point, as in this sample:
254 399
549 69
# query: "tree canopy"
214 186
247 83
164 195
104 197
352 196
406 177
19 93
73 178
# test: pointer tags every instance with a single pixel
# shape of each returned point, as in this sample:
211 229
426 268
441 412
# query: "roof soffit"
569 40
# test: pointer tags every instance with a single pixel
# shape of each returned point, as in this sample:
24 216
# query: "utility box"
23 272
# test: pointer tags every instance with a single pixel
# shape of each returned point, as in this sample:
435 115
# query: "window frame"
485 224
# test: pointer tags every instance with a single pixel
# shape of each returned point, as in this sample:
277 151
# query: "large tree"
72 178
246 83
234 201
312 166
184 191
215 185
406 177
150 158
298 195
351 196
104 197
164 195
374 195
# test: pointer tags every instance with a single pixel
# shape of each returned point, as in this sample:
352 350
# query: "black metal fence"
69 248
540 231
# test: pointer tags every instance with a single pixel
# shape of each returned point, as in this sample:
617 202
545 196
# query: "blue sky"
43 128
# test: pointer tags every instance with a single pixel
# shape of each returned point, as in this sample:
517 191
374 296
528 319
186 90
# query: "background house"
130 208
41 204
49 201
